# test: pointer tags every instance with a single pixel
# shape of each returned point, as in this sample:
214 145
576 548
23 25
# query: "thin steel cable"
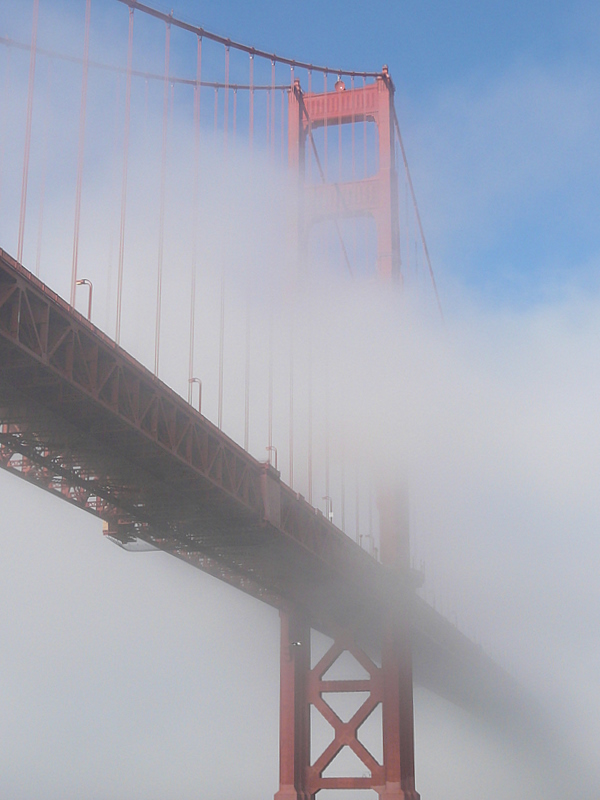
357 506
417 214
216 109
148 76
272 96
47 115
23 209
247 379
310 420
124 178
196 202
268 103
251 107
407 224
5 116
283 91
238 46
325 126
146 93
114 189
226 101
270 386
163 191
353 147
80 150
343 485
221 352
327 483
291 430
234 120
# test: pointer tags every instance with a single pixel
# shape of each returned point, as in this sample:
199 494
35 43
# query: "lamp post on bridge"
88 283
191 383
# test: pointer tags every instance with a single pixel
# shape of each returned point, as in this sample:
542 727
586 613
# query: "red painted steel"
173 476
391 684
375 196
81 419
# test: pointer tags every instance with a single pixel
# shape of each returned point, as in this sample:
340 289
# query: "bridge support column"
396 655
294 712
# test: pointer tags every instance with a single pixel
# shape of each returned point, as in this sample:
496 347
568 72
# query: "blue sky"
498 104
497 101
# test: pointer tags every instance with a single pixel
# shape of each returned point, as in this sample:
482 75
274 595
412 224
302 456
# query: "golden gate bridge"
236 457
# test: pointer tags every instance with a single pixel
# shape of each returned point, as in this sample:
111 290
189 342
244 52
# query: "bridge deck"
81 418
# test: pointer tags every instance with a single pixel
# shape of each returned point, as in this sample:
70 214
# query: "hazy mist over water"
127 675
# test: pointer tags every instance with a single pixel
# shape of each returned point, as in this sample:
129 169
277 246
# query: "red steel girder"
65 387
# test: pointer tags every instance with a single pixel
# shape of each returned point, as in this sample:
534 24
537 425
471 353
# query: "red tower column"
390 684
396 655
294 712
375 196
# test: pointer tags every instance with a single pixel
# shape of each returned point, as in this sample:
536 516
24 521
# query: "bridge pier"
294 711
388 684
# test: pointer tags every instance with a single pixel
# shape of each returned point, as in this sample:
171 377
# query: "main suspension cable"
169 18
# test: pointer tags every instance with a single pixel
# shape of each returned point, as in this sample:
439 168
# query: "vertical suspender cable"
216 110
291 431
36 4
282 127
114 172
196 213
352 126
251 106
310 419
365 173
268 100
273 110
163 189
234 121
343 481
325 115
270 387
327 483
357 506
353 147
365 169
5 114
247 379
221 352
226 106
124 178
146 92
248 323
38 255
309 134
86 60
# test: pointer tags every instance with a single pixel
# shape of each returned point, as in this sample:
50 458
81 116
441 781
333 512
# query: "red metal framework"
391 684
375 196
78 406
83 420
388 685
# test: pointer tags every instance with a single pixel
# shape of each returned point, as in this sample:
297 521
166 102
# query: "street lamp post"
86 282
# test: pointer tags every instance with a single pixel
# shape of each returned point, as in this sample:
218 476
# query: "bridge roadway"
79 417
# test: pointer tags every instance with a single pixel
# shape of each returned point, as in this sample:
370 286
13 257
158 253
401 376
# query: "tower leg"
396 655
294 713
